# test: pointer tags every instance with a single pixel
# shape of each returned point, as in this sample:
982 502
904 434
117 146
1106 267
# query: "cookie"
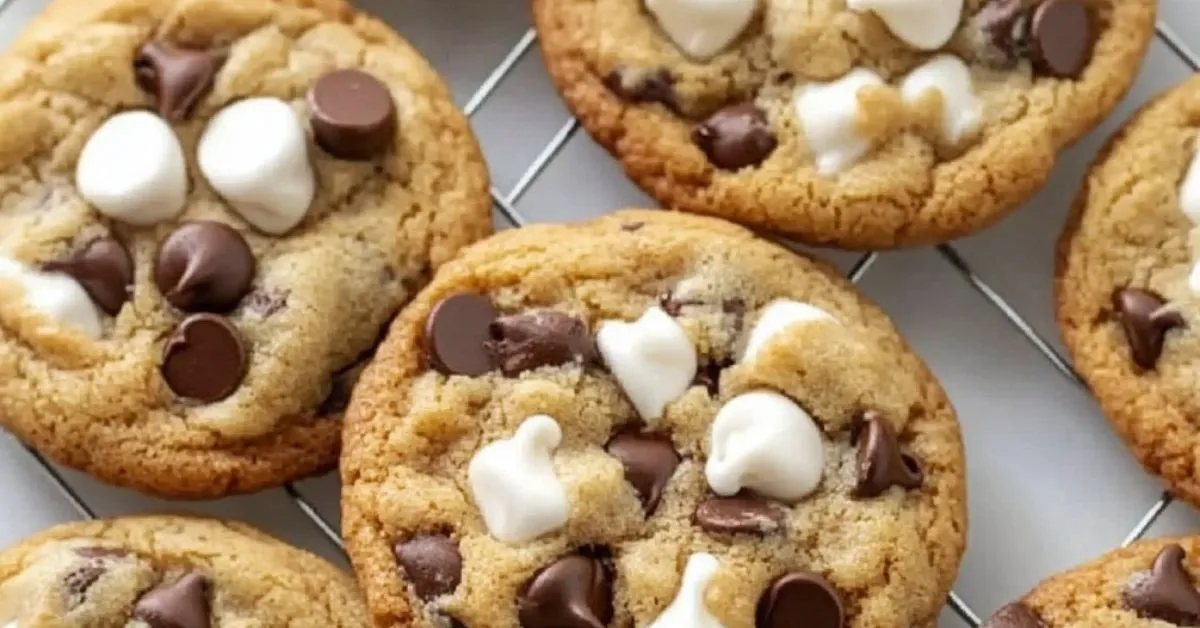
852 123
1128 289
651 419
208 212
171 572
1150 583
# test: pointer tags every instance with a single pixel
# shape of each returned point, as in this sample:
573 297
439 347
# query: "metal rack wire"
506 203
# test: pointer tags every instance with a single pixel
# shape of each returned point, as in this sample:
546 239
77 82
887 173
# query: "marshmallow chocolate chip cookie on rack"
171 572
852 123
1128 286
208 212
1150 584
652 420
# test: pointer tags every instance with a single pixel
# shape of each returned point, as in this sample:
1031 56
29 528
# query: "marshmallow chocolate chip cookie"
208 211
1128 285
171 572
1150 584
655 420
852 123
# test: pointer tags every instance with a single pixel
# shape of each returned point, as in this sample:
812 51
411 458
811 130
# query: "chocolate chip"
1145 324
205 359
709 375
1061 37
651 87
179 604
105 271
101 552
1005 27
178 78
800 599
649 463
457 332
573 592
1015 615
631 227
204 266
431 563
736 137
739 515
881 465
538 338
266 303
1166 591
353 114
77 582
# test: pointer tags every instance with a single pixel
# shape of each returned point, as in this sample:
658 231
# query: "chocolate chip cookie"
171 572
1151 583
208 212
851 123
1128 285
651 419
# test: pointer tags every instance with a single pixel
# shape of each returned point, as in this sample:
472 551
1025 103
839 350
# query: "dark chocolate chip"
736 137
205 359
741 514
709 375
800 599
179 604
353 114
523 342
266 303
204 266
457 332
1015 615
631 227
657 86
573 592
881 465
105 271
178 78
1166 591
101 552
77 582
649 463
1062 36
1145 324
431 563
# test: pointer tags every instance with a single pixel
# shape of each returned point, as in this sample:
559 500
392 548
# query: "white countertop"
1049 484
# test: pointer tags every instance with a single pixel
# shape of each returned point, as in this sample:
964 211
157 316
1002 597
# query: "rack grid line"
506 205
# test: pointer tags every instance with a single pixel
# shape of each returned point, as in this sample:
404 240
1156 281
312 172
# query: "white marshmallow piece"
514 484
56 296
702 28
922 24
254 153
828 114
132 169
763 441
777 316
652 358
1189 191
688 609
962 111
1194 278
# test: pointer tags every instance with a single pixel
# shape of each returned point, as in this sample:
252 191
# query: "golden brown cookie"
851 123
208 211
649 419
1127 286
171 572
1148 584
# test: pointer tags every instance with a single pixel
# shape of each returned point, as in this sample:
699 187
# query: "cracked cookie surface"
1127 285
826 122
644 419
208 211
171 572
1150 583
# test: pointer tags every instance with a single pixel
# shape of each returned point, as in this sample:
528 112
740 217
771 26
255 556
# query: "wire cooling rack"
507 204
